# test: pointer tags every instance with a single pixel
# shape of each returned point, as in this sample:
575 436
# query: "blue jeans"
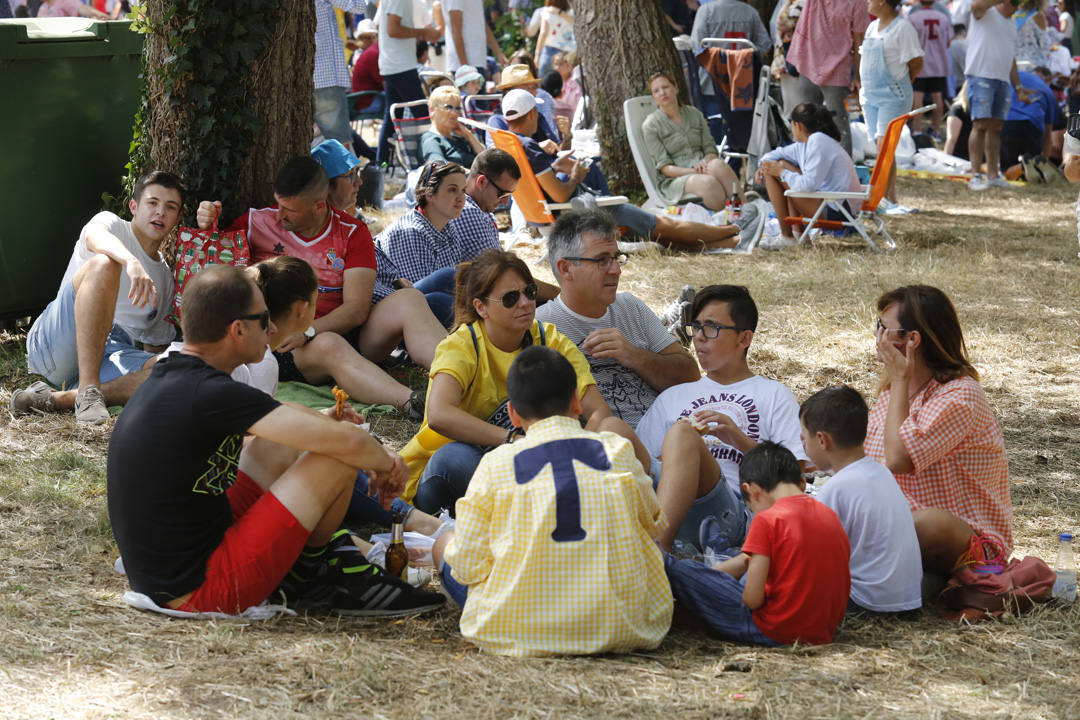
725 505
332 114
362 507
715 597
458 593
438 289
51 350
400 87
447 476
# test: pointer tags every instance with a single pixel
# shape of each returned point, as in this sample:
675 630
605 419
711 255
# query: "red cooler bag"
195 249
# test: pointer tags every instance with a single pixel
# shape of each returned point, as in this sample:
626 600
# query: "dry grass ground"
71 648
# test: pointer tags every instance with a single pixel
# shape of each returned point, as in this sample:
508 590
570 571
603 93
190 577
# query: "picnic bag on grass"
973 595
195 249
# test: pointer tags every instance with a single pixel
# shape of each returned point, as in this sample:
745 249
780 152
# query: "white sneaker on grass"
777 242
998 182
977 182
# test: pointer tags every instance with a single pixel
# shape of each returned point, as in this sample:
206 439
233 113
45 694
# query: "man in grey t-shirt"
632 356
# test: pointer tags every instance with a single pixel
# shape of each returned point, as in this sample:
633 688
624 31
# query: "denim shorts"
52 353
988 98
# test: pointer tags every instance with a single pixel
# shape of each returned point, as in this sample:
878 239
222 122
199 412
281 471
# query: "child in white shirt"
886 565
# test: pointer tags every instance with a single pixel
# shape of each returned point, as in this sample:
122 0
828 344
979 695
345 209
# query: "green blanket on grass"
319 397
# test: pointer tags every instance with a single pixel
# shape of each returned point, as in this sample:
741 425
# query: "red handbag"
195 249
973 595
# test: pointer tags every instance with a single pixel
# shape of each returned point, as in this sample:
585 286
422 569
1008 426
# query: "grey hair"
565 240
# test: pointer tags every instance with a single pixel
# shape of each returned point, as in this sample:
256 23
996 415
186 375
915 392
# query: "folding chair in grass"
635 110
870 195
480 108
410 120
529 196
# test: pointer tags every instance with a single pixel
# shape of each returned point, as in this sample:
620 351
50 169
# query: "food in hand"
340 396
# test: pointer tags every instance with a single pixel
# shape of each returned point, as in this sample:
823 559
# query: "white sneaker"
90 406
977 182
777 242
998 182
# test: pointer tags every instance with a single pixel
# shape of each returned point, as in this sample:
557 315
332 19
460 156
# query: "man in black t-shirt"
206 523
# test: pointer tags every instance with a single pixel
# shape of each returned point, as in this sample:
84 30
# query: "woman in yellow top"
495 308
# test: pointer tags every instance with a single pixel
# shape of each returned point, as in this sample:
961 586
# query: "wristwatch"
309 333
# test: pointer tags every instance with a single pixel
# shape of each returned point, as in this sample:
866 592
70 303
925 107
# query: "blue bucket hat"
334 158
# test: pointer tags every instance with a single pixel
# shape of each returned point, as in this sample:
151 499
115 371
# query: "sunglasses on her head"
432 167
510 298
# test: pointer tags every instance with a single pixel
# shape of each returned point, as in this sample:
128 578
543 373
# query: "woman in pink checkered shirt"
933 427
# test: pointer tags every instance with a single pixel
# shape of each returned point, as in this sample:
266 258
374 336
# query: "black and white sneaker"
338 579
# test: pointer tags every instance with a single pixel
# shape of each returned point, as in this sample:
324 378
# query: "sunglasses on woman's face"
510 299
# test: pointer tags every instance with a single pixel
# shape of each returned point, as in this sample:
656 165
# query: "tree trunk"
229 97
621 43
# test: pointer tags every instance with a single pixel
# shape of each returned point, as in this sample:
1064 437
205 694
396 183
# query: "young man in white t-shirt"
399 29
701 430
886 564
114 297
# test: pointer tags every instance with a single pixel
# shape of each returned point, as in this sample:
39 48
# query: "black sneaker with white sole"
338 579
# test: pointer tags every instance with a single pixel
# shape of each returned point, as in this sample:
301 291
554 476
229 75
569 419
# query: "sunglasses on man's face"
263 318
510 299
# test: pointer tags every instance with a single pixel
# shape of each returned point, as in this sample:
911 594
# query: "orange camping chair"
529 196
870 195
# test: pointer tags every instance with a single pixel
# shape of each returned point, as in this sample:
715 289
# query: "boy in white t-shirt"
701 430
98 339
886 567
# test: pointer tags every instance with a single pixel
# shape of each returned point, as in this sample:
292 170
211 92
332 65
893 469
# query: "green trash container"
70 90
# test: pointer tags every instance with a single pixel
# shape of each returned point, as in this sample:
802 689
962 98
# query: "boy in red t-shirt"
791 581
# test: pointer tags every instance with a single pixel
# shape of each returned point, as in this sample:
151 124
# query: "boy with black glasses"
700 430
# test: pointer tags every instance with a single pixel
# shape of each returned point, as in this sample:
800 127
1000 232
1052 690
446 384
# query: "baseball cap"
334 158
466 74
518 102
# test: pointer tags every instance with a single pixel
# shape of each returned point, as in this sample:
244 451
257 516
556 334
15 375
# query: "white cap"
518 102
366 27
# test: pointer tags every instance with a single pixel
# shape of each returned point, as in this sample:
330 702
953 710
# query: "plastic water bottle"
1065 583
772 225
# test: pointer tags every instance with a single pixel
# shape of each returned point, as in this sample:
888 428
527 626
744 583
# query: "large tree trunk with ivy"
621 43
229 95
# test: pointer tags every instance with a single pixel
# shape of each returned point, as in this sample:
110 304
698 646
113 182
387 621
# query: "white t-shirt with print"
146 324
762 408
899 45
886 564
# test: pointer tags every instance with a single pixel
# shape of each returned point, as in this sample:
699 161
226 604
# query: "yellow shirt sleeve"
456 357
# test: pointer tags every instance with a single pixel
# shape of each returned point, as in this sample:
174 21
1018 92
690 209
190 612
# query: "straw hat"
516 76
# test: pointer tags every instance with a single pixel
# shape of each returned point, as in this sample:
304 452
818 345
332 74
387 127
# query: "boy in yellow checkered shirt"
554 551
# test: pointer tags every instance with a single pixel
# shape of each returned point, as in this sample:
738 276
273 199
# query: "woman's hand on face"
897 364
